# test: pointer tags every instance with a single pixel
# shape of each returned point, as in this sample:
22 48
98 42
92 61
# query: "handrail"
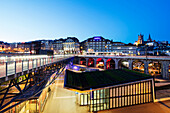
12 67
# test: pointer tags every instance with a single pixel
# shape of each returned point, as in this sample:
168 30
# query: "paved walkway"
158 107
63 100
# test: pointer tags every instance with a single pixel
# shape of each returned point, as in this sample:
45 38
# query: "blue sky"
119 20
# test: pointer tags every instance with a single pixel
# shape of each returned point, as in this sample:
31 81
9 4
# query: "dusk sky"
119 20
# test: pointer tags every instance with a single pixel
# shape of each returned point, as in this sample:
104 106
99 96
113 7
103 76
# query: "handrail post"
32 63
15 67
36 63
6 69
28 64
22 66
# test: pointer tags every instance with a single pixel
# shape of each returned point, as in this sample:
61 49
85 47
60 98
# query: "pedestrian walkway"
63 100
162 107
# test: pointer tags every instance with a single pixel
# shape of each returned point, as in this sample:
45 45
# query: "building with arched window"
71 46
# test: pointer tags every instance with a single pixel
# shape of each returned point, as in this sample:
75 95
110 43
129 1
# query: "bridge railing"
12 67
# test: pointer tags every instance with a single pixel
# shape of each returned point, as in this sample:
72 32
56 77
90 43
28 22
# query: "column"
116 63
79 60
130 64
146 67
105 60
95 62
87 61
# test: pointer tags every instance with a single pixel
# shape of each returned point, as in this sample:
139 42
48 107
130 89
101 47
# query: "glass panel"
18 66
10 68
146 86
149 86
133 100
34 64
30 64
122 91
141 88
123 100
133 88
38 62
2 69
137 99
85 99
146 98
117 102
116 91
81 99
111 100
25 65
114 103
111 92
129 103
126 101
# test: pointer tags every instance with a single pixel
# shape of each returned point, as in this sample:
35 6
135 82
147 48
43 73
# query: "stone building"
71 46
58 47
102 45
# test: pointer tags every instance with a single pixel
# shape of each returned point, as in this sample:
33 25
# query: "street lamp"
146 48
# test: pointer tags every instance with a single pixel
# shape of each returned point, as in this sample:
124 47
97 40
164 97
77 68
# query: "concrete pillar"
116 63
165 69
146 71
79 60
130 64
95 62
105 60
87 61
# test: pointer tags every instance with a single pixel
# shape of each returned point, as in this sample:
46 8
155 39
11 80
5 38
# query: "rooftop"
98 79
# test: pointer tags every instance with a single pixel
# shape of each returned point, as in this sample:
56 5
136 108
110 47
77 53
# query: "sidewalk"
158 107
63 100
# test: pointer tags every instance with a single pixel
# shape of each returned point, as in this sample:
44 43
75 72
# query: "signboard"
97 38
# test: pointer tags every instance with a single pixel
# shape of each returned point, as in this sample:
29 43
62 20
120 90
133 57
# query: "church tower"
149 39
140 39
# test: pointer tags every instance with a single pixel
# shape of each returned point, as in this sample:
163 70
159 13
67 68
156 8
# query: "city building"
71 46
102 45
151 47
46 44
4 46
58 47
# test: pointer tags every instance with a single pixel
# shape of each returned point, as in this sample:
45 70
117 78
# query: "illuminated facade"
71 46
58 47
100 44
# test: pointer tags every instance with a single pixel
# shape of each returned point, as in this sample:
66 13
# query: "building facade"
58 47
71 46
100 44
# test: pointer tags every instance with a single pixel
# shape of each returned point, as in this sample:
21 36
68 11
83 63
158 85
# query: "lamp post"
146 49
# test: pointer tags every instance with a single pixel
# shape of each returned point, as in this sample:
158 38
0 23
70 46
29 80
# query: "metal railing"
12 67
